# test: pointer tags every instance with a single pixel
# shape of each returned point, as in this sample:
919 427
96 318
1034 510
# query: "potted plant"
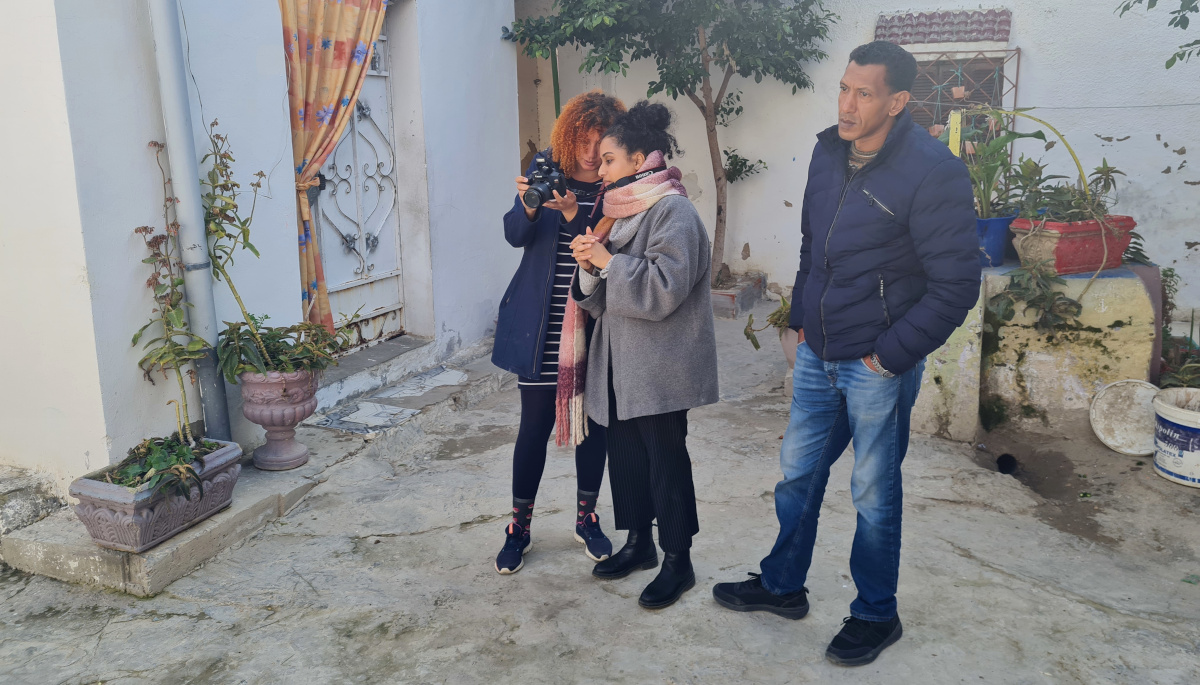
276 366
778 320
1068 225
986 152
164 485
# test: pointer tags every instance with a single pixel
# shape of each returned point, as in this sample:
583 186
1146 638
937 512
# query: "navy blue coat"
525 308
889 260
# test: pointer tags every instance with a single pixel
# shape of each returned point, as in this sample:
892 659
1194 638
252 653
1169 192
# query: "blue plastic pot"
993 234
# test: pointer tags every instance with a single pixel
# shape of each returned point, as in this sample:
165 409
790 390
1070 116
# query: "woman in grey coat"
653 355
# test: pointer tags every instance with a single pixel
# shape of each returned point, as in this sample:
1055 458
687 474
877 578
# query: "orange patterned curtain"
328 45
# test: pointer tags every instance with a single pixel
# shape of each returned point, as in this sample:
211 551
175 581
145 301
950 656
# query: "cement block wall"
1037 376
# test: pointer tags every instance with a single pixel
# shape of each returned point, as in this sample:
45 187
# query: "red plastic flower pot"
1073 248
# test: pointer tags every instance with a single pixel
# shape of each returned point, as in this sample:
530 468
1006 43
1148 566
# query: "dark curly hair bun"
644 129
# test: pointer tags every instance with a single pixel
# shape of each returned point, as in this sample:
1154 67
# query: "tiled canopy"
945 27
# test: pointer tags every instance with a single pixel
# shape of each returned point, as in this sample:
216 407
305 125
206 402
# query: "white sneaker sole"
509 572
579 539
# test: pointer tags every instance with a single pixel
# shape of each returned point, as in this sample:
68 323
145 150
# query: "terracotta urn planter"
278 401
136 519
1076 247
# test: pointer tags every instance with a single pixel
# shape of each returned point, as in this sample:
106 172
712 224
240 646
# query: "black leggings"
529 456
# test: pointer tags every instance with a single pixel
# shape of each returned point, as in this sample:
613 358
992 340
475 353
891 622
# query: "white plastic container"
1177 435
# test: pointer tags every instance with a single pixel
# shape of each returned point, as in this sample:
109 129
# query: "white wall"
51 417
1075 53
469 98
88 108
238 77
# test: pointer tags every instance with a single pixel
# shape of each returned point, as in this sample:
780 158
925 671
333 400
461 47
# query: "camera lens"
536 195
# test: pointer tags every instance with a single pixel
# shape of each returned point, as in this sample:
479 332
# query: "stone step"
25 499
387 420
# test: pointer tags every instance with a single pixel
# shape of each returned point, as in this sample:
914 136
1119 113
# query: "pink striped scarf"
619 203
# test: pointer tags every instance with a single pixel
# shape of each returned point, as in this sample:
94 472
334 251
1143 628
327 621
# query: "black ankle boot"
675 578
638 553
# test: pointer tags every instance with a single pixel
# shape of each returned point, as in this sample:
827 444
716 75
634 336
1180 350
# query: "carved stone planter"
279 401
135 519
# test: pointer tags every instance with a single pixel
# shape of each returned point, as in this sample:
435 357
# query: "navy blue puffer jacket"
889 261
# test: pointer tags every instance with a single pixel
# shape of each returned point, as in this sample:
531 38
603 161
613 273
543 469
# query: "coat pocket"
874 201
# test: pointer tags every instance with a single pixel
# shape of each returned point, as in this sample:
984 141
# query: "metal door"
357 219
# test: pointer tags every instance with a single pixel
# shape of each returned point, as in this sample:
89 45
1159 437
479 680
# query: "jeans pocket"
872 371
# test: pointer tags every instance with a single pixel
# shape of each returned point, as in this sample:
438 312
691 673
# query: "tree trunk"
714 151
708 107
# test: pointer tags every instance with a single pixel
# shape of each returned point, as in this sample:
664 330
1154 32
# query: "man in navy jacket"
889 268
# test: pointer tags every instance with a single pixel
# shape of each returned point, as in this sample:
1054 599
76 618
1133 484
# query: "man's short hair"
901 66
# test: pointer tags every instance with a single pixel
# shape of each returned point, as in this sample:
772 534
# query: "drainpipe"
193 241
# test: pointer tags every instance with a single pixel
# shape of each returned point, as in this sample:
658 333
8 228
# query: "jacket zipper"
887 316
871 199
828 272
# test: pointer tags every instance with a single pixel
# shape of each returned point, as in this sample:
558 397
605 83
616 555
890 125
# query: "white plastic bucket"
1177 435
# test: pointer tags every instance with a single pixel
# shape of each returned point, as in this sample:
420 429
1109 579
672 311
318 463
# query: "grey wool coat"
654 314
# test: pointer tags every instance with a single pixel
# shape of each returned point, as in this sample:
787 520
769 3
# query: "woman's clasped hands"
590 252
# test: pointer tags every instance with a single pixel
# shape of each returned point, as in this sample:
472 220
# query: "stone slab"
948 405
59 546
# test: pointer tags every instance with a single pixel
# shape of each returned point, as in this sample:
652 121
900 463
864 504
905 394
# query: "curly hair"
644 129
583 114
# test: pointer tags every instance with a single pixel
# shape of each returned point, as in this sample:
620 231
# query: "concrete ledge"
732 303
948 405
59 546
361 372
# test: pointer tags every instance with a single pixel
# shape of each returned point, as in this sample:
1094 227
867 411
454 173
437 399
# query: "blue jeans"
832 404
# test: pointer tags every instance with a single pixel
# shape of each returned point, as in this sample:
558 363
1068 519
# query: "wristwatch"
879 367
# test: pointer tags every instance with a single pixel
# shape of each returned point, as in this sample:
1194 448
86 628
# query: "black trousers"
650 473
529 455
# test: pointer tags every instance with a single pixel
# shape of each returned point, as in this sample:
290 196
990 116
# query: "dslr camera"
545 179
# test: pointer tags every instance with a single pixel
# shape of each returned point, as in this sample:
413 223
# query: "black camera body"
545 179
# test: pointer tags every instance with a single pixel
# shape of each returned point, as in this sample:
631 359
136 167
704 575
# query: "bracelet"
879 367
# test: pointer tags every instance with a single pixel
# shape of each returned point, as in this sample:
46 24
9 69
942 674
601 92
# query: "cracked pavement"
383 574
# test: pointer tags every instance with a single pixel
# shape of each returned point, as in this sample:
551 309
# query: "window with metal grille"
959 80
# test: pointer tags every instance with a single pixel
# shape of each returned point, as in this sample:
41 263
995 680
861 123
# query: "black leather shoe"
638 553
750 595
675 578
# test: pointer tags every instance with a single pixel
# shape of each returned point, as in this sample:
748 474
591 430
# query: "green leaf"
175 318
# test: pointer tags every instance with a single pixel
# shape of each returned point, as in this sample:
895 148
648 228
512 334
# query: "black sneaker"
750 595
861 641
516 546
596 545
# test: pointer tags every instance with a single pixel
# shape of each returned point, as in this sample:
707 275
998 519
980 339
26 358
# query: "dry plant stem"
245 315
1078 165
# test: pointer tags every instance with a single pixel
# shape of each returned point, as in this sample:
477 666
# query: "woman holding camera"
531 338
654 354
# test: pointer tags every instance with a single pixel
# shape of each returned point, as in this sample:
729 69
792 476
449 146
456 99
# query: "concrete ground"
384 573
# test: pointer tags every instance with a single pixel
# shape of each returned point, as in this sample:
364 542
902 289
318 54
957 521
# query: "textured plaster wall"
469 99
1103 75
51 416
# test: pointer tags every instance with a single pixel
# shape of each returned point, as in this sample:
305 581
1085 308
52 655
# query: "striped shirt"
560 291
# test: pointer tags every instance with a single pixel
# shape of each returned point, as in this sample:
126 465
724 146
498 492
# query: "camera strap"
637 177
